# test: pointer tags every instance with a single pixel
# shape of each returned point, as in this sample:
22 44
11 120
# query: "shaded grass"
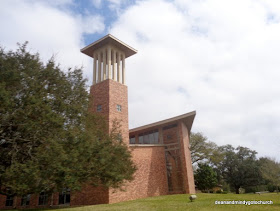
181 202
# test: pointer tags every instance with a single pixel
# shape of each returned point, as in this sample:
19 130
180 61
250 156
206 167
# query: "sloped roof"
187 118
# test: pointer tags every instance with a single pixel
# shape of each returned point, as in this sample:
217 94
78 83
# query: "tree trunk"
237 190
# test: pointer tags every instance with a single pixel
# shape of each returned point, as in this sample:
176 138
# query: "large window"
141 139
43 198
132 140
150 137
9 201
64 196
25 200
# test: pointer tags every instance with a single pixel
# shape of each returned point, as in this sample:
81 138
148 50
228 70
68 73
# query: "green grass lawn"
204 201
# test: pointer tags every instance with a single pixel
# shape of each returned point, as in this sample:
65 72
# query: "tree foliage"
240 167
48 139
236 167
205 177
201 149
270 170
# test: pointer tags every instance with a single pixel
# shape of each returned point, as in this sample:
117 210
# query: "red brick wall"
170 136
34 199
186 159
150 177
100 96
90 195
109 94
2 201
118 96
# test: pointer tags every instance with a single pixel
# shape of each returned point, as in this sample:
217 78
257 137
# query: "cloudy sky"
220 58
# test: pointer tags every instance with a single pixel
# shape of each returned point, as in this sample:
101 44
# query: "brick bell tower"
108 88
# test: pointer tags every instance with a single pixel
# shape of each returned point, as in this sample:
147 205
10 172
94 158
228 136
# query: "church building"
160 150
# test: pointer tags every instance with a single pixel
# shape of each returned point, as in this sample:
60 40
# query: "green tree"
205 177
201 149
270 170
48 139
240 167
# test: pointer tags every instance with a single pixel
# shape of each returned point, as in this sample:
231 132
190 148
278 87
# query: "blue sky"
88 7
108 10
220 58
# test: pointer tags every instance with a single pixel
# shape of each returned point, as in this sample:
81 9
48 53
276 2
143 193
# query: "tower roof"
108 39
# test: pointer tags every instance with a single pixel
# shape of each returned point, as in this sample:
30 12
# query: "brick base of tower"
149 179
110 94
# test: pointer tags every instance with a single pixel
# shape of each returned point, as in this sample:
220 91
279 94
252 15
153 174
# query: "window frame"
149 137
132 138
63 197
141 138
43 198
99 108
25 200
9 201
119 108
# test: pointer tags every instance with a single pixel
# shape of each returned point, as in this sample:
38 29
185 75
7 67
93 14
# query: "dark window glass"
25 200
119 108
156 137
43 198
9 201
141 139
151 138
146 139
64 197
99 108
169 137
132 140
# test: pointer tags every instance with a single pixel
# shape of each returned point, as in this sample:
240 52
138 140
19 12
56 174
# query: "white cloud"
96 3
219 58
49 30
113 5
92 24
222 54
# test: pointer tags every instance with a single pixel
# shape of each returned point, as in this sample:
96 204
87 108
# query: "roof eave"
186 118
108 39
